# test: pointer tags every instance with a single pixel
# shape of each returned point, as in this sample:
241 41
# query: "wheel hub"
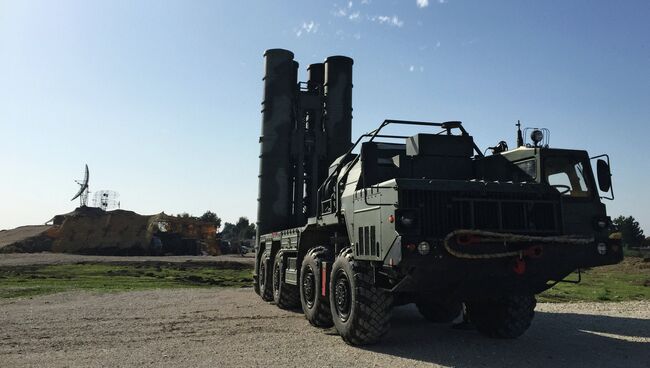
308 288
342 296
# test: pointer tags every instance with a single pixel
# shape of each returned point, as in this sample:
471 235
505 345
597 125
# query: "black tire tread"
322 316
373 318
267 292
504 318
288 296
437 312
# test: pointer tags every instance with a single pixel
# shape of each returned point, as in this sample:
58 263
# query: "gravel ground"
233 327
24 259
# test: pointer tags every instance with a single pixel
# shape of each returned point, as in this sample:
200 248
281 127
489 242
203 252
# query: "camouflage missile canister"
274 202
338 105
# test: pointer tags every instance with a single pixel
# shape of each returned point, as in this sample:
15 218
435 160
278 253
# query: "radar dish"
106 199
82 194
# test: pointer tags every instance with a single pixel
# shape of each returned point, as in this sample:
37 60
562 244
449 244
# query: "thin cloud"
389 20
307 27
354 16
422 3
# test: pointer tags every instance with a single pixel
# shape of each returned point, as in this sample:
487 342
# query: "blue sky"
162 98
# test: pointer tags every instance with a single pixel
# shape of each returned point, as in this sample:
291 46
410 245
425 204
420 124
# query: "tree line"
243 229
631 232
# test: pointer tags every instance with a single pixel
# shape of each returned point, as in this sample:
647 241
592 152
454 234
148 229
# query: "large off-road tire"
437 311
285 296
256 283
505 318
264 278
315 306
361 312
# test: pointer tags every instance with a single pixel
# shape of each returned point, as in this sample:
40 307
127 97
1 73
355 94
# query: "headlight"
407 220
601 223
424 248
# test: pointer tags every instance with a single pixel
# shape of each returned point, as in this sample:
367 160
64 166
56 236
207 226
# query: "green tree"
245 230
631 231
229 231
242 230
212 218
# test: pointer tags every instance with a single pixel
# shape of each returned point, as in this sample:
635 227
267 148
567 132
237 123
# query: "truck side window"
566 174
529 167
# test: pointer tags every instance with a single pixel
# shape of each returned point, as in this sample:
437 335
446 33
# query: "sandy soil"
23 259
21 233
233 327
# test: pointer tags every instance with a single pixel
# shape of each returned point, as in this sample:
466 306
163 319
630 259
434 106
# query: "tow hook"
519 266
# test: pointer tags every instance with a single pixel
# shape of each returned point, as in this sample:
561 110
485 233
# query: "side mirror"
604 175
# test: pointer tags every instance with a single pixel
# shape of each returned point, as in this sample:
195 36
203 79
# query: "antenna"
106 199
82 194
520 138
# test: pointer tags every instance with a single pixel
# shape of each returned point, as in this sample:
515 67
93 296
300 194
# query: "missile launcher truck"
348 230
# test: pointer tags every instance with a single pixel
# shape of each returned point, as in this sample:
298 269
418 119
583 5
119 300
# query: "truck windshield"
566 174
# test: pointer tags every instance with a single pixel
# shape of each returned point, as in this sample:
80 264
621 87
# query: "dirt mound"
94 231
89 230
27 239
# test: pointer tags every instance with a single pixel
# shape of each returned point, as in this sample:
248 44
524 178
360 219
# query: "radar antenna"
106 199
82 194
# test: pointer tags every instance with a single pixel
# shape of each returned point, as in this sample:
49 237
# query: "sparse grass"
629 280
24 281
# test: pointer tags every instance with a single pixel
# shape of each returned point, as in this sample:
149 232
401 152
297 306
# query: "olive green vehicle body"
496 193
348 230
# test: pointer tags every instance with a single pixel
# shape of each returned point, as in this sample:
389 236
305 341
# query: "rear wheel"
285 296
437 311
506 317
315 306
264 278
361 312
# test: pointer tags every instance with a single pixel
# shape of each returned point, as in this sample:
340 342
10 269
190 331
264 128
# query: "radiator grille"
441 212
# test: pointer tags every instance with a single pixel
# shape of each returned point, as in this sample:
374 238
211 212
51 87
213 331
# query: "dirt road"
233 327
24 259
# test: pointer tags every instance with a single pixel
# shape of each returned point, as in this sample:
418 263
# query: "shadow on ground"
554 340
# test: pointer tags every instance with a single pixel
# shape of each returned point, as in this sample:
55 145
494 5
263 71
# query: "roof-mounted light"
537 136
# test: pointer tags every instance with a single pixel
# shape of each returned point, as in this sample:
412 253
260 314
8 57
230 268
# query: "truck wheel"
263 278
285 296
361 312
505 318
256 280
315 306
436 311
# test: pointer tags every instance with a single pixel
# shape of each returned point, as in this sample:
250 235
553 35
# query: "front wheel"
506 318
360 311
